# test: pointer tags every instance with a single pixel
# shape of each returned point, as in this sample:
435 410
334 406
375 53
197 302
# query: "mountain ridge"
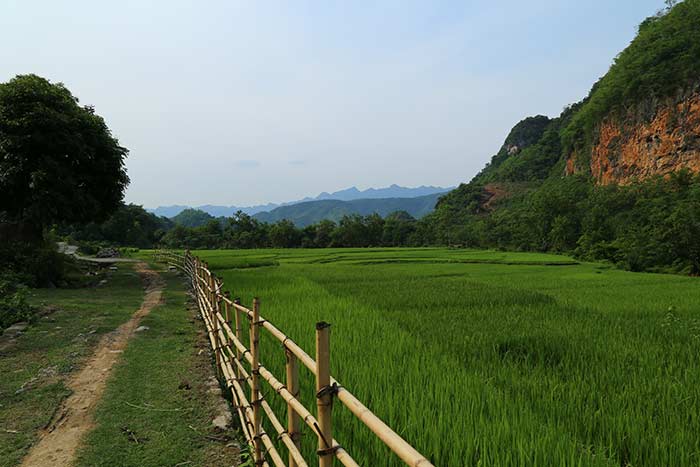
311 212
348 194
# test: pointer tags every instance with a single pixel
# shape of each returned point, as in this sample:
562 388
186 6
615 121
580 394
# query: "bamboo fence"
237 365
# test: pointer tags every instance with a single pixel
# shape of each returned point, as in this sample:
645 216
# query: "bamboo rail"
219 313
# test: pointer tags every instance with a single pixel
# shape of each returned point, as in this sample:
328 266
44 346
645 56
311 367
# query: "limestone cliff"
633 148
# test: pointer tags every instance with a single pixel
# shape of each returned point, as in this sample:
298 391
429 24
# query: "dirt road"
58 443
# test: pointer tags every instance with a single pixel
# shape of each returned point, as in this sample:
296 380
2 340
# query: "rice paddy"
489 358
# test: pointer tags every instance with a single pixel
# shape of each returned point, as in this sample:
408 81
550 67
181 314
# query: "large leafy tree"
58 160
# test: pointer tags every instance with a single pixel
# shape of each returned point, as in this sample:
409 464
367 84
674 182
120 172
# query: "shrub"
13 301
32 265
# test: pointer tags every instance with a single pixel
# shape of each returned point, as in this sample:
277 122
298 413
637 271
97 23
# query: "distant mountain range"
311 212
349 194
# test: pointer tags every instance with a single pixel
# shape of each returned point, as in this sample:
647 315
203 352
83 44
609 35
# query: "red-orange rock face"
627 151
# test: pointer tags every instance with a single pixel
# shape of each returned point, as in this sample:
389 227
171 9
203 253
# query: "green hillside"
192 218
311 212
523 199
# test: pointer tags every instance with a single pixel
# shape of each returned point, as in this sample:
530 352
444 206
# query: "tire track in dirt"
59 441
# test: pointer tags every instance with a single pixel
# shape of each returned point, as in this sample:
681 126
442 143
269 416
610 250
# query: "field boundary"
236 364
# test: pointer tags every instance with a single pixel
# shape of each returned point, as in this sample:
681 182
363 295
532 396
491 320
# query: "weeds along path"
59 441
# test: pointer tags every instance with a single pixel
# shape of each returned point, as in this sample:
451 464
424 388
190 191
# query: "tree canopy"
58 160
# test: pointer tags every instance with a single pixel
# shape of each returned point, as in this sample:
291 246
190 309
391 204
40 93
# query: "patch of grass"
155 410
492 364
34 365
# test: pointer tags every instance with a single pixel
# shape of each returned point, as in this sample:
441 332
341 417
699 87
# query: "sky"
242 103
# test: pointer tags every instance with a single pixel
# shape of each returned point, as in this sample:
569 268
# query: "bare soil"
59 441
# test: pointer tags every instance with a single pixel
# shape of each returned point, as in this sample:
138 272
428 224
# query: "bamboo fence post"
201 282
227 308
324 395
206 276
215 305
293 421
255 381
210 303
197 275
239 328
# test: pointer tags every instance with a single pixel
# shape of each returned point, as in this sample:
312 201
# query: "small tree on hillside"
58 160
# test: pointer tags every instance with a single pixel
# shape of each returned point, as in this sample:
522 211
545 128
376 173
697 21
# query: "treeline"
132 226
649 226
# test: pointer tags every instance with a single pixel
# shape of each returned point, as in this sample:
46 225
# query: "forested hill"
614 176
311 212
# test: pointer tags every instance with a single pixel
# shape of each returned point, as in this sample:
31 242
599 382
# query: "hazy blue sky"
272 101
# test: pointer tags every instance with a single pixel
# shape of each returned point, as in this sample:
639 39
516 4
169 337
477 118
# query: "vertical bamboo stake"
215 325
239 327
324 396
255 381
210 288
227 308
207 283
195 278
293 420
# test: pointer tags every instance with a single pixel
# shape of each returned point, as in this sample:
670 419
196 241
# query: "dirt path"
58 443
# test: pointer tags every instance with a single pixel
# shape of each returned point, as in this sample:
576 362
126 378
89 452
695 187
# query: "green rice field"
485 358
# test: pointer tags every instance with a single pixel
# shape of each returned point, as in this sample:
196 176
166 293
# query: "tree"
324 233
398 227
130 225
284 234
192 218
58 160
244 231
351 231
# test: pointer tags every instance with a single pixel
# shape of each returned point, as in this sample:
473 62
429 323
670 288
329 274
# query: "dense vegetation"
58 163
130 225
58 160
652 225
192 218
244 231
509 358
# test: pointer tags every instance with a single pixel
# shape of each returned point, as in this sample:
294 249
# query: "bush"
32 265
13 301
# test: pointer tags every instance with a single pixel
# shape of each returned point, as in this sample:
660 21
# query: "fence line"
223 318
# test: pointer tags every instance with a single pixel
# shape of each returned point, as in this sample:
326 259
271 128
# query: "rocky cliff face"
634 148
